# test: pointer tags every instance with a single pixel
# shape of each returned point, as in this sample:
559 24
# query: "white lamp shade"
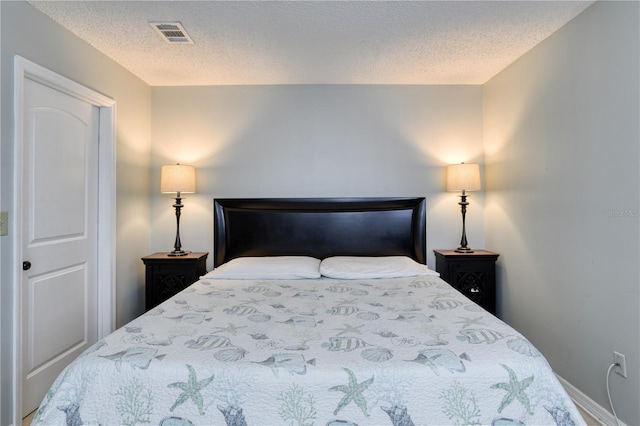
178 178
463 177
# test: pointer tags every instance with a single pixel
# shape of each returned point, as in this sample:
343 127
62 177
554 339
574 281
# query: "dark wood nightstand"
473 274
167 275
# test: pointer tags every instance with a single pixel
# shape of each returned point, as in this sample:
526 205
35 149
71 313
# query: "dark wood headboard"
319 227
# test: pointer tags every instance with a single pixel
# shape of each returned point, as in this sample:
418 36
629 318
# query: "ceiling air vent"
172 32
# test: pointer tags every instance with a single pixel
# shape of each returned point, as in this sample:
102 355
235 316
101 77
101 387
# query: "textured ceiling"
315 42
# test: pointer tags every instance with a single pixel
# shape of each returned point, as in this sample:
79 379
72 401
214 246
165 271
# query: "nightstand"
167 275
472 274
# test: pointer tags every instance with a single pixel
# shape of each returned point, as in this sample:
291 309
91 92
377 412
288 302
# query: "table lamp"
463 177
180 179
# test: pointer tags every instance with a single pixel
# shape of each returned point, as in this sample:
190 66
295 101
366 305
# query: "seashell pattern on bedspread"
404 351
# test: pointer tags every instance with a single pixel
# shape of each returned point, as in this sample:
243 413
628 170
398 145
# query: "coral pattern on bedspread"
404 351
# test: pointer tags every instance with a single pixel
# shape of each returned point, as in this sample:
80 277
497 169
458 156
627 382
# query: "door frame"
25 69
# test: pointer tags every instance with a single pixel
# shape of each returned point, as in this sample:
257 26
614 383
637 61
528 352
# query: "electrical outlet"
621 364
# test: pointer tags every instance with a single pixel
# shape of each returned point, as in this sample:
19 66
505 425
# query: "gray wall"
315 141
562 151
27 32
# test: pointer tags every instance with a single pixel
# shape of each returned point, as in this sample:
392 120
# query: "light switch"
4 223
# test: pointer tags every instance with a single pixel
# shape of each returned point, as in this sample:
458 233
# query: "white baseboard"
589 405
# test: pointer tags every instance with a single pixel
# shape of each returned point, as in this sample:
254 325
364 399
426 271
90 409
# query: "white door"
59 233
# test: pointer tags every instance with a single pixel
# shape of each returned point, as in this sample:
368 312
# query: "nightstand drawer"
473 274
167 275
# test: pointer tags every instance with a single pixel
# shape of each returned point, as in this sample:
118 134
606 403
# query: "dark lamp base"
463 250
178 253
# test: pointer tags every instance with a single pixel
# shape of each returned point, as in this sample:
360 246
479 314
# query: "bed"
317 312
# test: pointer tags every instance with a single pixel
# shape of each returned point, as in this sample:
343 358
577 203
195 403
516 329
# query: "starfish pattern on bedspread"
349 329
353 392
515 390
231 329
190 390
468 322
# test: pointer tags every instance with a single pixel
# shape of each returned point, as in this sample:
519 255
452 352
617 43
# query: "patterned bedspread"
403 351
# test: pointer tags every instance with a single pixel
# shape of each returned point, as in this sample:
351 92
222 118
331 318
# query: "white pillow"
267 268
353 267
